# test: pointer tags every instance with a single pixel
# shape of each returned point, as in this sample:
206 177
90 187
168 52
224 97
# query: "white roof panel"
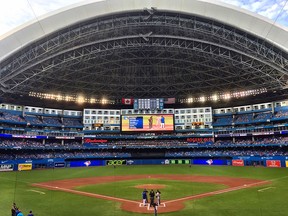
245 20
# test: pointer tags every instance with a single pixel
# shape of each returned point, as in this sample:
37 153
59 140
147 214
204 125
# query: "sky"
16 12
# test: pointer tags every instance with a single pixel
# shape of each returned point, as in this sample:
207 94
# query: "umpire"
155 206
152 197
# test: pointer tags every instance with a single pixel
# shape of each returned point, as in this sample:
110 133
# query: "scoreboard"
149 104
144 123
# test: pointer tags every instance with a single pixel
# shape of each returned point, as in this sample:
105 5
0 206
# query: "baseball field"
107 191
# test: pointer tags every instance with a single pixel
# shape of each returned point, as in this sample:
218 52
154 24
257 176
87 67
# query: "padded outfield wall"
25 165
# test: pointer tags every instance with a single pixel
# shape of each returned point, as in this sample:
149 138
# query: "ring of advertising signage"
59 164
116 162
6 167
147 123
86 163
179 161
23 167
273 163
238 162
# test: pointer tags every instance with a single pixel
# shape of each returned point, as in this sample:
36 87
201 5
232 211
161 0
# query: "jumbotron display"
145 123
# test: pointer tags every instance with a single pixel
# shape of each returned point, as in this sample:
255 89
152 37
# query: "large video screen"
146 123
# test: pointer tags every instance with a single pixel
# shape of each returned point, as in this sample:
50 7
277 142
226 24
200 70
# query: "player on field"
144 197
158 195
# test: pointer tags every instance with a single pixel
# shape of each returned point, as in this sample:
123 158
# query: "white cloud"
16 12
272 9
271 12
41 7
11 16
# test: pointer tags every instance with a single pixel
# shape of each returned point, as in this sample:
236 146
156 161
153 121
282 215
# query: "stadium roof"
145 48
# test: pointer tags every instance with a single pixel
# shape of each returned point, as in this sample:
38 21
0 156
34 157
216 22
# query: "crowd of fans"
8 116
18 117
260 141
224 120
63 154
263 116
51 121
33 120
246 118
225 152
72 122
32 143
243 118
196 152
281 113
150 143
39 149
127 143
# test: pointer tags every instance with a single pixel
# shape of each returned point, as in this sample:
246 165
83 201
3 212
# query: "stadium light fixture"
80 99
214 97
226 96
190 100
103 101
202 99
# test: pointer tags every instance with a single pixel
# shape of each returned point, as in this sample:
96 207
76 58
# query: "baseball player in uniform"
144 197
158 195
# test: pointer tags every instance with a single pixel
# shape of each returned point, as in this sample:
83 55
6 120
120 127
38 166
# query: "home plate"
141 205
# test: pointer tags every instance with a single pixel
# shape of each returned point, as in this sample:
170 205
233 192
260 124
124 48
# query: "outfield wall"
25 165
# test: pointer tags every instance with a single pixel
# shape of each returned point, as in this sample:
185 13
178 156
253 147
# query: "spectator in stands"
150 120
162 122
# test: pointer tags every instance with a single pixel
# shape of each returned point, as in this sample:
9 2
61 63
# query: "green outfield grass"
15 186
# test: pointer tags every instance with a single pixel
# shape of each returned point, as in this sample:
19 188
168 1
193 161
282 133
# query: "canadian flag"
127 101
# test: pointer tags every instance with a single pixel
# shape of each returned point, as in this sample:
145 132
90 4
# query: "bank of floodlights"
225 96
70 98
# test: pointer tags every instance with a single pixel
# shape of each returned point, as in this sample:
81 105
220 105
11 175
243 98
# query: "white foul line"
36 191
88 194
261 190
217 192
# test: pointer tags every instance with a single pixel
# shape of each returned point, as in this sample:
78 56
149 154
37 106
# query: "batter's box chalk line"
141 205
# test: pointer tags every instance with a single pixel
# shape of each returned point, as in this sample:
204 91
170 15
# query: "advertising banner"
116 162
6 167
23 167
179 161
286 162
86 163
209 162
59 164
146 161
237 162
273 163
89 140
